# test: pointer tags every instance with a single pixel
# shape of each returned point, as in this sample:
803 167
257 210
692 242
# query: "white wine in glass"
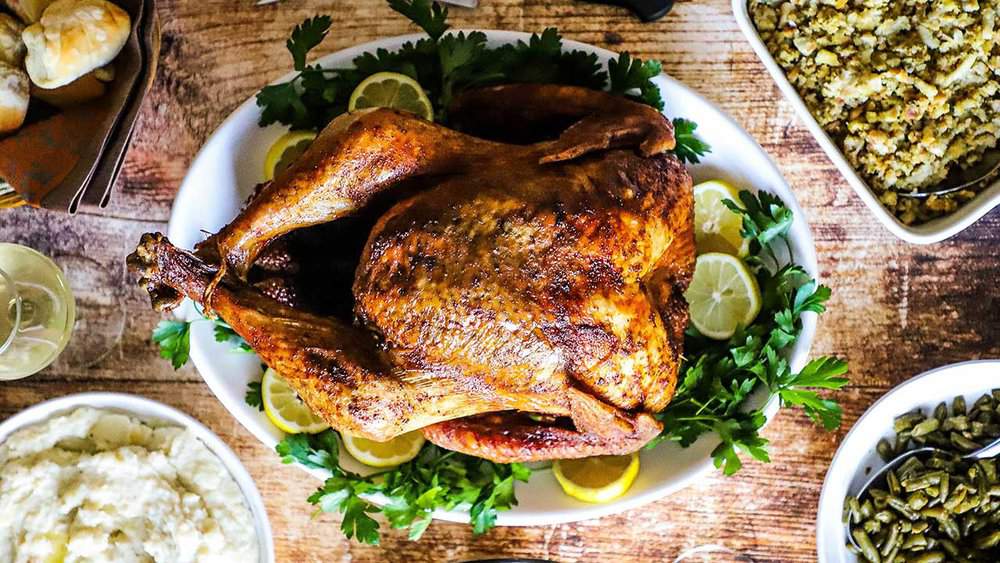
37 311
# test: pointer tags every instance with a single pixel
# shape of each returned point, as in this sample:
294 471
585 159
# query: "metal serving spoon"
962 178
990 451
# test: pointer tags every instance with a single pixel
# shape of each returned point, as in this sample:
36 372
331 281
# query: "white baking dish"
932 231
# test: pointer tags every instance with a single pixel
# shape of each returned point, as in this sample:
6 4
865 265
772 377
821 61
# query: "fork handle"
647 10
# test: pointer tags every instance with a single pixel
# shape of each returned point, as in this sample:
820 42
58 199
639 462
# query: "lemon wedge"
399 450
597 479
716 227
391 90
285 409
286 150
723 295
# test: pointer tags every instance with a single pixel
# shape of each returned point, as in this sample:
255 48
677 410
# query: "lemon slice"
391 90
285 409
722 296
597 479
399 450
286 150
716 227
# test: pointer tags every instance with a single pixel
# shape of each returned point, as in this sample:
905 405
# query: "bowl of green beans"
933 508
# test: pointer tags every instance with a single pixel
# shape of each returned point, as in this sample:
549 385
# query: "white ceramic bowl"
926 233
149 410
847 473
231 163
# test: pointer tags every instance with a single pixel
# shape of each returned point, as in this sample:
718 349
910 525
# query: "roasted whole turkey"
511 286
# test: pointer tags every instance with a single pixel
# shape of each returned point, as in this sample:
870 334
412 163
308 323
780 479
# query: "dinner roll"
84 89
11 46
13 97
73 38
28 10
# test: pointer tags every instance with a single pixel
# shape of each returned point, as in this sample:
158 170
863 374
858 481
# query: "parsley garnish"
634 78
689 147
305 36
254 395
444 64
224 333
718 378
174 339
435 479
430 16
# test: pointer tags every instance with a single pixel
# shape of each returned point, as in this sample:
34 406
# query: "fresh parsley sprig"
254 395
719 377
689 147
430 16
765 218
444 64
174 339
436 479
634 78
305 36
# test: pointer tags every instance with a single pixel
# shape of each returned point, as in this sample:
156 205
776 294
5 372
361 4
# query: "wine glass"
37 311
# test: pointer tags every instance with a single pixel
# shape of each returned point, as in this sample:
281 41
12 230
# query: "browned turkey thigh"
542 278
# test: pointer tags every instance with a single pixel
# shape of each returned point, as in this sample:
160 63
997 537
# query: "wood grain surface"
896 310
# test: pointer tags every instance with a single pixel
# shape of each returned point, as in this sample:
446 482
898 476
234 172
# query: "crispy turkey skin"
496 278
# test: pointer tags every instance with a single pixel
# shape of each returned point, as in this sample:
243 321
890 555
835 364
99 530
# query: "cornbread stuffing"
907 88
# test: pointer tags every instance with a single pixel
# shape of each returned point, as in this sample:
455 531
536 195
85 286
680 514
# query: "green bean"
962 443
917 500
958 406
893 482
868 550
941 411
909 467
892 542
956 499
901 507
928 557
914 541
854 509
926 427
907 421
988 541
943 486
885 516
984 401
959 423
921 482
885 450
951 547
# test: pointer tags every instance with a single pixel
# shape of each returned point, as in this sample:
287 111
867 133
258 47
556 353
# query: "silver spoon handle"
990 451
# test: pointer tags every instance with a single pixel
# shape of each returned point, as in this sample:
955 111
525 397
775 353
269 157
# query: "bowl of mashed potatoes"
113 477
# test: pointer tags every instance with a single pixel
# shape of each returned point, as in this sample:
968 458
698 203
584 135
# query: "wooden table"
896 310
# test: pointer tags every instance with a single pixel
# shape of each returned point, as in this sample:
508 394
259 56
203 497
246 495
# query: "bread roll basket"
64 157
